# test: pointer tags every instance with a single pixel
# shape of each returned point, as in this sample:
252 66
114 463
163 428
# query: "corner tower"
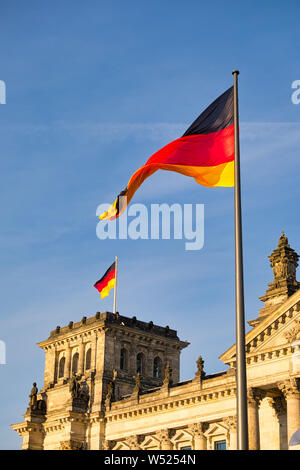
82 361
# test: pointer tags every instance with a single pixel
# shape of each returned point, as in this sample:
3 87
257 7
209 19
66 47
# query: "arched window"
157 367
88 357
140 363
75 363
123 359
61 367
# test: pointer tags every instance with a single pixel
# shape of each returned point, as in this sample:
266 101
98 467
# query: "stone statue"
200 367
109 394
80 394
33 397
83 391
137 387
168 375
74 386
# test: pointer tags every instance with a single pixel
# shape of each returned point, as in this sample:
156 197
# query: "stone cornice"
159 403
69 337
123 326
27 426
268 354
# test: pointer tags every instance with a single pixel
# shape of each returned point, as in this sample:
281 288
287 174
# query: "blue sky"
93 89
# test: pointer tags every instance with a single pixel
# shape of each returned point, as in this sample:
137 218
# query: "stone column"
291 391
94 352
278 404
68 362
32 433
81 358
254 398
132 358
231 423
164 438
200 440
50 365
149 364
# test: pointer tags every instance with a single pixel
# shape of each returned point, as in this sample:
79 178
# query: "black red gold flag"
204 152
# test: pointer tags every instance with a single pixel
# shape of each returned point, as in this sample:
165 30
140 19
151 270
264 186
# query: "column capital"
231 422
134 441
278 404
108 445
198 429
290 388
163 434
255 396
73 445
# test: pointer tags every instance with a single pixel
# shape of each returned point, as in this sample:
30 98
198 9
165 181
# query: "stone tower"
284 261
88 365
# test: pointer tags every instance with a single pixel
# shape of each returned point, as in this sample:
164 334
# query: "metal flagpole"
115 289
241 380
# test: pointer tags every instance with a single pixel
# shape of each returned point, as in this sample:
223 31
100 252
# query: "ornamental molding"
146 409
268 327
150 441
26 427
71 340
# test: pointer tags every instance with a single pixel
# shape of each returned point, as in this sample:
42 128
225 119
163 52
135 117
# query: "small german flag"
107 281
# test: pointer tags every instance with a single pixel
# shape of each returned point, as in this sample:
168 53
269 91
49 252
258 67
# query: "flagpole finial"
235 72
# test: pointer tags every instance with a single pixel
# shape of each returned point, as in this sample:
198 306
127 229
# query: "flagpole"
115 289
241 379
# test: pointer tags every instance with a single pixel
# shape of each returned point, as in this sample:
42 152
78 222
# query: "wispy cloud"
279 134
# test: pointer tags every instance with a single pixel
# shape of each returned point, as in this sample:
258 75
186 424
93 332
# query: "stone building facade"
112 382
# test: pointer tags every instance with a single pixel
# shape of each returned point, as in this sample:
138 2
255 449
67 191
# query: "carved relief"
293 333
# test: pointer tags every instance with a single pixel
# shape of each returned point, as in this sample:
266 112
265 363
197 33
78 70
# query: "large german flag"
205 152
107 281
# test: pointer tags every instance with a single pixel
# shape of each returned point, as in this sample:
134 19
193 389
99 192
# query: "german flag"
205 152
107 281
